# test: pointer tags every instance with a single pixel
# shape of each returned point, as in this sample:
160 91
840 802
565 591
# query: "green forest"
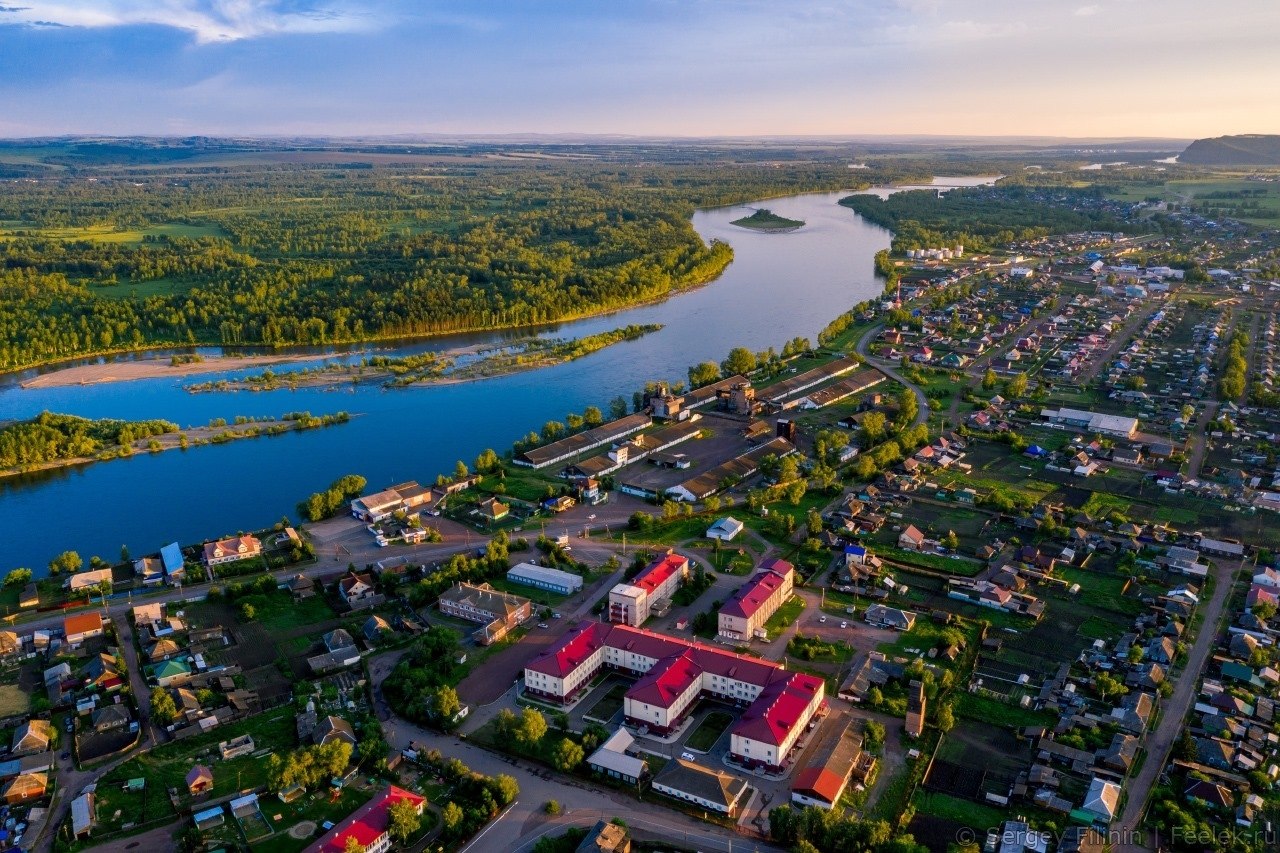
304 255
51 437
982 218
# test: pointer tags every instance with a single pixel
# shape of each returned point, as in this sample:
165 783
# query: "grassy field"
1200 191
709 731
13 701
785 616
983 708
166 766
107 233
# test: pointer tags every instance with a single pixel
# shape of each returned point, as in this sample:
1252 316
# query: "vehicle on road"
687 756
542 624
844 624
822 618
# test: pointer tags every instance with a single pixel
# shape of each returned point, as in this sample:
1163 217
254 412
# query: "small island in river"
766 220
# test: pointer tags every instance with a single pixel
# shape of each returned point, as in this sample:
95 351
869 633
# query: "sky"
1075 68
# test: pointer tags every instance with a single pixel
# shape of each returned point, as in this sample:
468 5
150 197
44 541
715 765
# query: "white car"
844 624
591 517
687 756
822 618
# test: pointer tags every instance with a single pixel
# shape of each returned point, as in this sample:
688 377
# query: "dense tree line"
50 437
321 505
314 257
984 218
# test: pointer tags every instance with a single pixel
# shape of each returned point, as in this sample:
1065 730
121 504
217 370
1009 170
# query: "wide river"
779 286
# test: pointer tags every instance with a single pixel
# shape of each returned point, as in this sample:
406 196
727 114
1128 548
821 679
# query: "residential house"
357 590
231 550
1101 800
883 616
911 539
32 737
81 627
333 728
25 788
199 780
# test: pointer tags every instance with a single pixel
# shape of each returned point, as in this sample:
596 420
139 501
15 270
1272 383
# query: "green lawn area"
608 704
317 807
709 731
166 766
785 616
538 596
988 710
974 815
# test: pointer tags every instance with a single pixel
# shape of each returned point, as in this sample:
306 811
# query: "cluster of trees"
309 766
1231 385
322 505
50 437
419 688
474 797
462 567
814 829
984 218
320 256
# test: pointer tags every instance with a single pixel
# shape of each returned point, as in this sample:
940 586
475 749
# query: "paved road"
922 414
1160 741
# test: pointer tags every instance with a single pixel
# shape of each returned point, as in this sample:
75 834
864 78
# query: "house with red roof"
631 603
368 825
230 550
81 627
744 615
672 675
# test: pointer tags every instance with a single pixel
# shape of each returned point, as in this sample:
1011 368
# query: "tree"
951 540
989 380
703 374
552 430
163 708
451 816
248 611
1015 386
505 788
874 732
532 727
1264 610
67 562
460 471
908 407
353 845
1108 686
946 718
592 416
873 427
567 755
18 577
552 807
443 703
618 407
403 820
740 360
1135 654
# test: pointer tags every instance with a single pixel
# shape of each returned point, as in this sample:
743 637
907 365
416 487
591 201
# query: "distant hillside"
1247 150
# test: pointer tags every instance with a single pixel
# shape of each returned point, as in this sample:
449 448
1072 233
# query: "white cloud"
207 20
1087 11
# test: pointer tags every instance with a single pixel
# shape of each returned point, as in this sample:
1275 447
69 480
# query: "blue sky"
682 67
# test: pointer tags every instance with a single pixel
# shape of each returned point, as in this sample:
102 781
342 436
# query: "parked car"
542 624
844 624
687 756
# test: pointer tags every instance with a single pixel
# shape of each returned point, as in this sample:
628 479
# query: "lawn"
974 815
278 612
608 704
709 731
316 807
13 701
166 766
988 710
785 616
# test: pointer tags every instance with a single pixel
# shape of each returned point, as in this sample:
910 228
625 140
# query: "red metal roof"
667 681
819 783
659 571
366 824
752 595
778 709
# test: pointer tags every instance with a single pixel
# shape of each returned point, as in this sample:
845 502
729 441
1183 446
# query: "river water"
779 286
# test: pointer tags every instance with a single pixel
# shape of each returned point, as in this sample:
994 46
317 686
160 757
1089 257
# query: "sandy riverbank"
154 368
